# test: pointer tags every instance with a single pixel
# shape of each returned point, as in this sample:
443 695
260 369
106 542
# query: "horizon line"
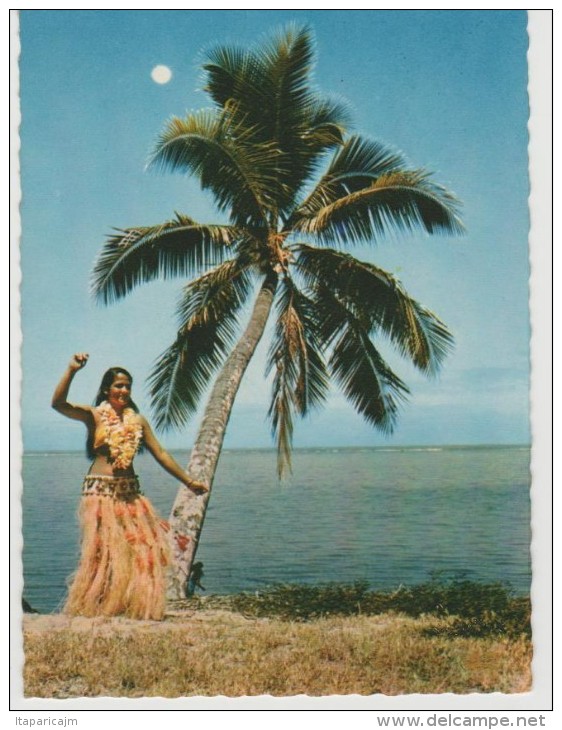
322 448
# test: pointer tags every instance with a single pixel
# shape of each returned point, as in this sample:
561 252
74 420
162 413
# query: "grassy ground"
290 640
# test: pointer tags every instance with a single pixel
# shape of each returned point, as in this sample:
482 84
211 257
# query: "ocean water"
390 516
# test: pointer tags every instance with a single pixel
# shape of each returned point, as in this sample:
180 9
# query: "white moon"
161 74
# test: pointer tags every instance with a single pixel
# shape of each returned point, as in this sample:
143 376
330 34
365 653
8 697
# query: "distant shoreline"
329 449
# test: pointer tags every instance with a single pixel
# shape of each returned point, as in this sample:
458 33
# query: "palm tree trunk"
188 511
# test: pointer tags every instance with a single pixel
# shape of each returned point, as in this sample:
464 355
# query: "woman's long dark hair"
106 383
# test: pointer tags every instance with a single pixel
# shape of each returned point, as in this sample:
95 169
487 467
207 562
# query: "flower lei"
123 436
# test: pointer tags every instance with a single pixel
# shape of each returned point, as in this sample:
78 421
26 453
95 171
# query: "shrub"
475 609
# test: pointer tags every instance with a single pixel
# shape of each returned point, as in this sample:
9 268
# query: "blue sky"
448 88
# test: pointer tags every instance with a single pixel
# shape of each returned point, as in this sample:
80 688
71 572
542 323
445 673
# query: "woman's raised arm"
60 396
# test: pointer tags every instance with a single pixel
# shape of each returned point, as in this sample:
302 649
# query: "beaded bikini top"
122 436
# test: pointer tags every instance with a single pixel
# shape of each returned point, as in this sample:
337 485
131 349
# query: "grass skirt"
124 553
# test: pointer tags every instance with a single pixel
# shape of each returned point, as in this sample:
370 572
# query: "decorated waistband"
108 486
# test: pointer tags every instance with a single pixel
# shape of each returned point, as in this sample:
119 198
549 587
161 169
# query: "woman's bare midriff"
101 465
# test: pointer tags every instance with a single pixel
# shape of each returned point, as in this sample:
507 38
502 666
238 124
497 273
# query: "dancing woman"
125 552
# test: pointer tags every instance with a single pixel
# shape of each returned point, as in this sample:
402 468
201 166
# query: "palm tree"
258 150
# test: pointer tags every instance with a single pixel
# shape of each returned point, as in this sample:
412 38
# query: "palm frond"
324 111
319 129
301 379
356 165
355 363
208 314
232 74
379 301
268 91
207 298
400 201
288 59
223 155
258 81
303 124
366 379
179 247
322 125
